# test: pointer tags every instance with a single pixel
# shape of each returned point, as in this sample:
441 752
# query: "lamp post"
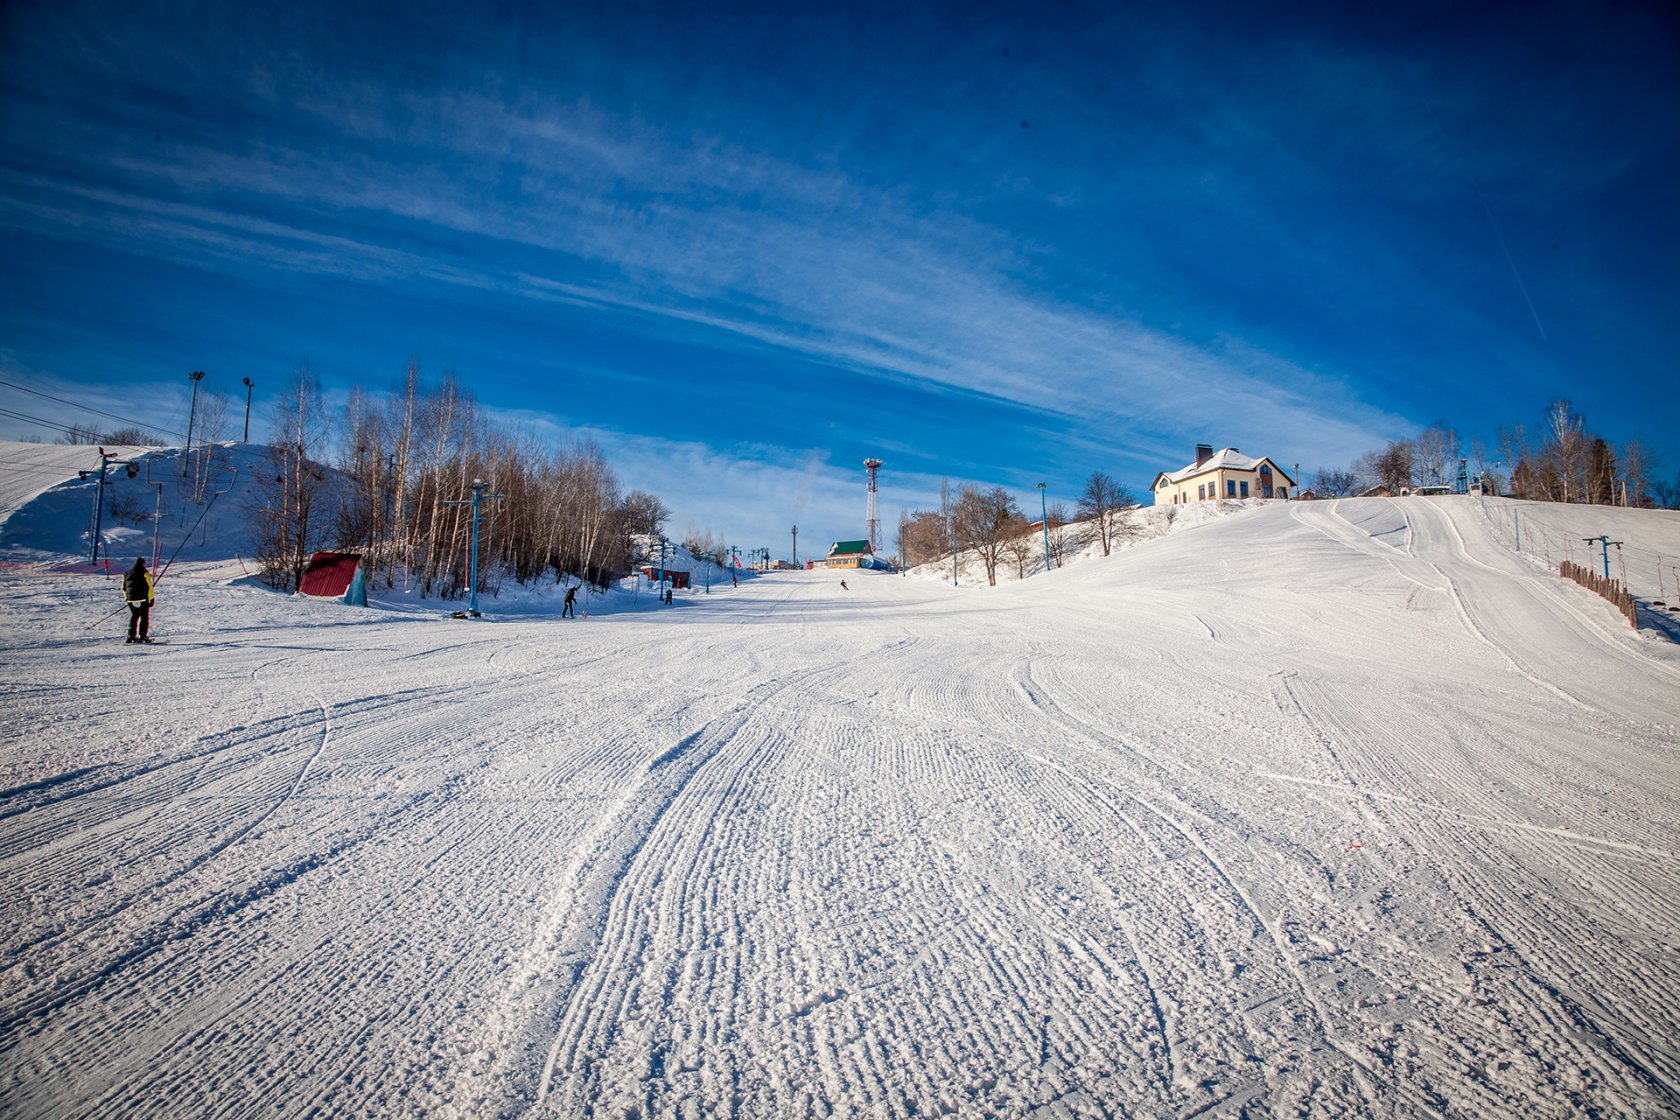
796 546
1044 523
951 523
247 381
472 560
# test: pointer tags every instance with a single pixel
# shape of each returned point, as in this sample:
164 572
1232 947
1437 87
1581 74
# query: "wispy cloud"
1133 233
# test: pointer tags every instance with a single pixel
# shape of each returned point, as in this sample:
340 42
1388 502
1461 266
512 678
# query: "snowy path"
1330 808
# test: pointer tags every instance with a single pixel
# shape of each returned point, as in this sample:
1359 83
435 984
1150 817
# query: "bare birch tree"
1102 505
985 521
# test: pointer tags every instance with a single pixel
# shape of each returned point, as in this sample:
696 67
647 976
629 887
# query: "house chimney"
1204 452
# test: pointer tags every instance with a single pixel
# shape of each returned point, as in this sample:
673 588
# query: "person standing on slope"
570 609
140 593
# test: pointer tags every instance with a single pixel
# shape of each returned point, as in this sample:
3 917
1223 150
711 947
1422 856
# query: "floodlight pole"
195 377
796 546
472 560
1044 523
247 381
951 522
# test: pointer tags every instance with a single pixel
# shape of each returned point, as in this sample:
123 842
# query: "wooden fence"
1619 596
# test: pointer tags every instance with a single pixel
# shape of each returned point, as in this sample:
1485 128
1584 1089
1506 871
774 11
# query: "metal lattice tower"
873 465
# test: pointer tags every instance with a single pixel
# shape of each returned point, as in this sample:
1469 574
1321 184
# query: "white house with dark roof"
1226 473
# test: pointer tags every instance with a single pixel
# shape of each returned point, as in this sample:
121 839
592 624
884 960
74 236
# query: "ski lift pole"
1603 541
99 506
472 559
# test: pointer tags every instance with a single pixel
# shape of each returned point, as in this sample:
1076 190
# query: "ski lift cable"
83 408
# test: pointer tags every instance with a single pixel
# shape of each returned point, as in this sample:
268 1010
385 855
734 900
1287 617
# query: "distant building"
1226 473
849 554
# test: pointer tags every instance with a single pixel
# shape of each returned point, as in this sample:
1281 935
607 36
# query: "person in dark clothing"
139 592
570 609
843 586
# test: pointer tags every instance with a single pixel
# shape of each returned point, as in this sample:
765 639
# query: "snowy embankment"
1326 808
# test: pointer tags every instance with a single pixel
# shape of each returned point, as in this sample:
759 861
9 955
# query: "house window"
1201 493
1245 487
1231 487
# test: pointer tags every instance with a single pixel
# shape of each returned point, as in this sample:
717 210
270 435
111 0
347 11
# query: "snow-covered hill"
1324 809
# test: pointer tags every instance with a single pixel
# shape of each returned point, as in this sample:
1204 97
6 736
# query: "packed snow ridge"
1329 809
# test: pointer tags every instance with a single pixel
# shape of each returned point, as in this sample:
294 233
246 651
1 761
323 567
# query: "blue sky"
744 249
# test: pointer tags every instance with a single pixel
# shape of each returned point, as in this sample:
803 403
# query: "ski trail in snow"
1450 588
1258 914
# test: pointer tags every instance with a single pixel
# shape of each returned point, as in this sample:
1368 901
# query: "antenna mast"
873 465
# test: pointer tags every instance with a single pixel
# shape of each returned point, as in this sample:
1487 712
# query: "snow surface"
1328 809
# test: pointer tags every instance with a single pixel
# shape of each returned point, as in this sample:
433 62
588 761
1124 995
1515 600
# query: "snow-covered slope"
187 507
1330 809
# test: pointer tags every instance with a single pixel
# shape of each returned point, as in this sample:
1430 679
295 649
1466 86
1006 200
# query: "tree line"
1559 459
393 477
987 524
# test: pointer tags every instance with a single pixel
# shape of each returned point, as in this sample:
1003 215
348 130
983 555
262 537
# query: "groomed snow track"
1330 809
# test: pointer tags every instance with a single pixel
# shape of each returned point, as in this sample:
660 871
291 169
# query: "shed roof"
329 574
849 548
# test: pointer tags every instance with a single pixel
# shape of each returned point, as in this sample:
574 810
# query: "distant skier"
570 609
843 586
139 592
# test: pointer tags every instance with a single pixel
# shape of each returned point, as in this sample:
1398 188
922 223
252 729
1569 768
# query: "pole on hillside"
1604 542
472 559
99 506
1044 523
951 523
195 377
157 510
247 381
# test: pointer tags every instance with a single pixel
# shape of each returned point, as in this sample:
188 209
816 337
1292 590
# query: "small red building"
679 580
335 575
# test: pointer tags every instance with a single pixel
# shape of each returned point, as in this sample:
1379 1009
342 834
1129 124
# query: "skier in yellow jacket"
140 593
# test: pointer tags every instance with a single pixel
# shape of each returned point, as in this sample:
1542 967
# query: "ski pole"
231 480
107 618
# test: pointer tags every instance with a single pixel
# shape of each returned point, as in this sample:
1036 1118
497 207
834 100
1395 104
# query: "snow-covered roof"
1228 458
